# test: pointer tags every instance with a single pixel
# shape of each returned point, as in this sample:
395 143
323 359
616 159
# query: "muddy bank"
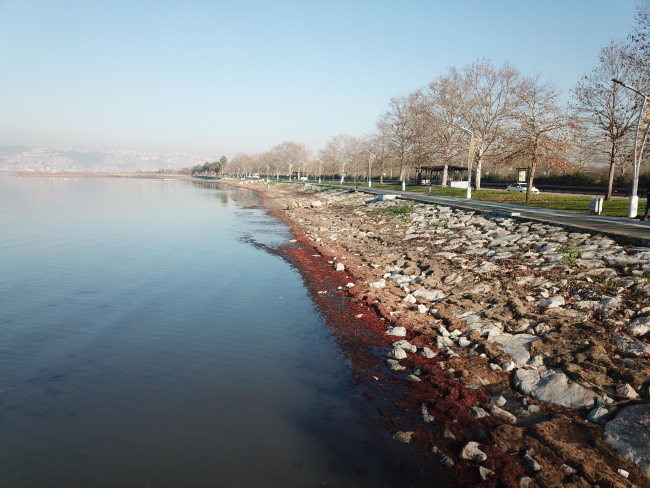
519 352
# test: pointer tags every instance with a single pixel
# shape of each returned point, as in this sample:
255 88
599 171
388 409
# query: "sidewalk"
626 230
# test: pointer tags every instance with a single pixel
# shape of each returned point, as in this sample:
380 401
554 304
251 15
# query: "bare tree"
340 152
488 97
609 108
538 137
400 128
445 113
582 144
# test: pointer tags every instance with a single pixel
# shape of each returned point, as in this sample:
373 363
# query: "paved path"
630 230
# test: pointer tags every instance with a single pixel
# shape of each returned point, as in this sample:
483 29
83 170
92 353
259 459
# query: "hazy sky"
217 78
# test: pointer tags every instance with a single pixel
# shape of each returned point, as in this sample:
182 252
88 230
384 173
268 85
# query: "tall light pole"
634 199
320 166
342 170
289 163
469 158
370 160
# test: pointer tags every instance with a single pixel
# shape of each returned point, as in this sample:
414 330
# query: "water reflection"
144 344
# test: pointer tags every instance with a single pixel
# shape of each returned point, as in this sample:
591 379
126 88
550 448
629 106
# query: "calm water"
139 346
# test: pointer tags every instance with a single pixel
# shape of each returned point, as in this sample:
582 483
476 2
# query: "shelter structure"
432 175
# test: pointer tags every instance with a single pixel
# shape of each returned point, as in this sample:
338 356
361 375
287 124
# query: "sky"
216 78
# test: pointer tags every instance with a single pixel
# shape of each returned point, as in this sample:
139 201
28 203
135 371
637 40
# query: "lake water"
139 346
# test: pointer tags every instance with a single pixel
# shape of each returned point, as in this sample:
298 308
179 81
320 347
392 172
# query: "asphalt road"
613 226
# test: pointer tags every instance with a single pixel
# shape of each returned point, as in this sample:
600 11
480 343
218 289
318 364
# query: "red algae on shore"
549 444
360 324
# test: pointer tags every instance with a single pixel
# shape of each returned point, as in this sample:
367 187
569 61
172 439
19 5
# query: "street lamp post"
469 158
634 199
289 171
370 160
320 165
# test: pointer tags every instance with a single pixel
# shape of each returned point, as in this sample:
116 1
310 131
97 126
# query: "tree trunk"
612 169
381 172
445 175
610 180
531 176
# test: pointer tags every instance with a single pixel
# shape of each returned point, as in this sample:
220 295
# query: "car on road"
521 187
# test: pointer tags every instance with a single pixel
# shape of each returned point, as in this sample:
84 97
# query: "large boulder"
629 434
517 345
553 386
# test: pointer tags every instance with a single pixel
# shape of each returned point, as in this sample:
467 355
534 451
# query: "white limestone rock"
554 386
639 327
552 302
517 346
629 434
471 451
396 331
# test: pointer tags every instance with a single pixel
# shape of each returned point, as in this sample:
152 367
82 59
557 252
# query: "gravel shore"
525 349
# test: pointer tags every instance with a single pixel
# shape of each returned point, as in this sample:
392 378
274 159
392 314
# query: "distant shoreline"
156 176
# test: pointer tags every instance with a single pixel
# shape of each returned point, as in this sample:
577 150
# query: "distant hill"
67 160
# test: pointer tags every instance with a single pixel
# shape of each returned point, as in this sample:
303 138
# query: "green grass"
570 255
401 210
614 208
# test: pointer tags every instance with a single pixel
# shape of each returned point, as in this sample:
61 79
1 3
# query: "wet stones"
425 414
394 365
397 353
404 437
406 345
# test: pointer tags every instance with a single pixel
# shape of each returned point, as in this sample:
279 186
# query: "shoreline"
455 386
156 176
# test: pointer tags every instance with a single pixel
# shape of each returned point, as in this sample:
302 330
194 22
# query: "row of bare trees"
515 121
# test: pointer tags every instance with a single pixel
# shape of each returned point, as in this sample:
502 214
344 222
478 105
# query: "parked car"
521 187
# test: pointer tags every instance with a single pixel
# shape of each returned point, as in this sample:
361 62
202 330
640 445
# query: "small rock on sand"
396 331
639 327
472 451
552 302
484 472
404 437
501 414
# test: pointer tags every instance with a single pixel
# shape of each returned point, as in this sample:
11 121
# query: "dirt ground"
452 390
